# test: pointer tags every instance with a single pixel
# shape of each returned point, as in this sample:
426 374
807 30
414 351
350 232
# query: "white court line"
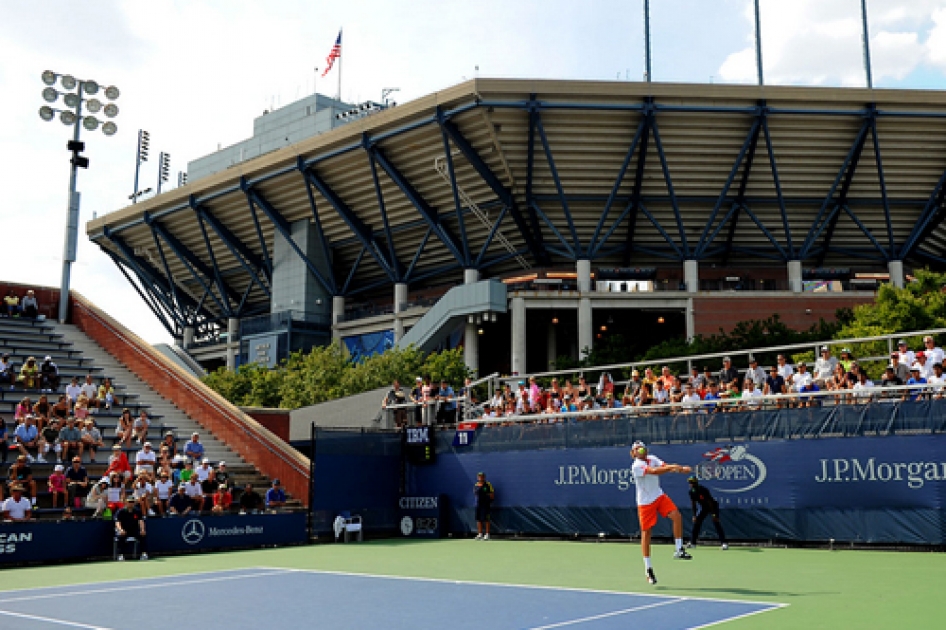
136 587
532 586
61 622
728 619
614 613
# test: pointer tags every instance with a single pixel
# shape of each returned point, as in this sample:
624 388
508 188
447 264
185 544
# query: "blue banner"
880 488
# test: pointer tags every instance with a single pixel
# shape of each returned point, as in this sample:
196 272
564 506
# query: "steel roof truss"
354 268
216 269
662 231
892 248
558 186
167 269
145 294
641 126
465 245
866 232
489 237
259 231
669 181
777 180
392 251
420 249
931 217
572 254
240 252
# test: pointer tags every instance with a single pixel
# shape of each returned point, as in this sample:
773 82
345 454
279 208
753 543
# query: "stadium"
526 223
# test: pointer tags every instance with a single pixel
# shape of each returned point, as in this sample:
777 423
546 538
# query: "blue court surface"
288 598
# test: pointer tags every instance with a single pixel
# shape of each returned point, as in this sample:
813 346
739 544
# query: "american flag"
336 53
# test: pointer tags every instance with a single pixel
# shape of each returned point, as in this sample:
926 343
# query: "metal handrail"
689 360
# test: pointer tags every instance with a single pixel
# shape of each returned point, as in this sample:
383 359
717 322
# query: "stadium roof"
548 172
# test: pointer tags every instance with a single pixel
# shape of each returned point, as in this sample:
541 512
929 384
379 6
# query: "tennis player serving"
652 501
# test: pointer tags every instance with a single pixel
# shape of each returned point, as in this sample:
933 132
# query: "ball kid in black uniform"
700 496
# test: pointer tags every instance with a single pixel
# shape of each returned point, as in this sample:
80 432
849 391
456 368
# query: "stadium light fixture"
75 91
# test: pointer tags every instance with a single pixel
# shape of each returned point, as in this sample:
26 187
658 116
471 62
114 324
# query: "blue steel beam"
741 194
929 220
354 268
558 186
551 225
641 126
218 279
147 299
884 253
167 270
240 251
326 248
533 240
364 233
530 169
283 227
461 224
650 217
426 211
778 189
635 204
669 181
379 194
244 186
883 188
491 235
420 249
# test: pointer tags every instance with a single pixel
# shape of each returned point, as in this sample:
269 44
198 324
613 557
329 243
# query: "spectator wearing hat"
914 394
222 500
163 489
11 304
56 484
900 370
17 507
846 359
194 449
250 501
91 439
77 481
824 367
118 463
7 373
145 460
143 492
221 477
140 427
395 396
29 307
21 474
755 373
926 367
70 440
170 443
633 385
97 498
195 493
48 375
205 476
130 523
275 496
933 354
29 374
907 357
804 383
180 504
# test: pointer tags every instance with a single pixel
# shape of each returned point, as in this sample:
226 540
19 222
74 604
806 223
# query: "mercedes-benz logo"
193 531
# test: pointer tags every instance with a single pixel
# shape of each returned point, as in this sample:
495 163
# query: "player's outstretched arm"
668 468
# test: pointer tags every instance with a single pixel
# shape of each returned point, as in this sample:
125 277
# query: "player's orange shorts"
648 513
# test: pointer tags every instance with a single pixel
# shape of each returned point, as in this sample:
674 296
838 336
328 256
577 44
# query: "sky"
194 74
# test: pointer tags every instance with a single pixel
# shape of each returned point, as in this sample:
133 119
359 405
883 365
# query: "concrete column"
895 268
400 299
338 314
188 336
518 309
233 345
690 322
794 276
586 336
691 275
471 338
551 346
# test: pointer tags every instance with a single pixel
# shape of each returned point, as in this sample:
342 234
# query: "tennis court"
295 598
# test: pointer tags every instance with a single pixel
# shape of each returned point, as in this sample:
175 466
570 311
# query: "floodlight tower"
73 116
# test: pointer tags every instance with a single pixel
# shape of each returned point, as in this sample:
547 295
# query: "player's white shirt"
748 395
163 488
786 371
862 386
648 486
933 355
802 379
17 509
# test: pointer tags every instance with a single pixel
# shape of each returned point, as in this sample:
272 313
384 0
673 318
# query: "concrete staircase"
241 471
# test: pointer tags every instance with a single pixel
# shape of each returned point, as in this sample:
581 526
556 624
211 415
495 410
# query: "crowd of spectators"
428 402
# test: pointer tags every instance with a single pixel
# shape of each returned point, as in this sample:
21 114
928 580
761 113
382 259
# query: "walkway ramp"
458 303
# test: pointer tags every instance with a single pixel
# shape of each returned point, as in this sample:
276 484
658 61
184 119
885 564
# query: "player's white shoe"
725 547
681 554
651 578
689 545
486 537
479 537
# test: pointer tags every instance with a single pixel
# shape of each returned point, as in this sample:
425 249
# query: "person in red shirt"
118 463
222 500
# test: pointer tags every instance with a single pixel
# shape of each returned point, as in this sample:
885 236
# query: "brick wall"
47 298
798 311
251 440
276 420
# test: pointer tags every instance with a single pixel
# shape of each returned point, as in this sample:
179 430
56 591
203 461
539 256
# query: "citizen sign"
418 503
852 470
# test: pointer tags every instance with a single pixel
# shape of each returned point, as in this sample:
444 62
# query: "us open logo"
731 469
193 531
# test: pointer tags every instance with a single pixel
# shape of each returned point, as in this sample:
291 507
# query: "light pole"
73 116
164 169
141 156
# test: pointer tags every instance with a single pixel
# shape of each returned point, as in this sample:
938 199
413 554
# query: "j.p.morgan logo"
731 469
914 474
195 531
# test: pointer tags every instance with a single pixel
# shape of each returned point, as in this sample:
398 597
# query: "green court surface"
822 589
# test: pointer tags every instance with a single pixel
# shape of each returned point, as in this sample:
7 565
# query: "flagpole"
339 67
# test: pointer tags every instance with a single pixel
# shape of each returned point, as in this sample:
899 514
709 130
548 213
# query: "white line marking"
61 622
135 587
533 586
606 615
728 619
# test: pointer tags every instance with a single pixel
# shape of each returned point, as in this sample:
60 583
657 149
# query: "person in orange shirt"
222 500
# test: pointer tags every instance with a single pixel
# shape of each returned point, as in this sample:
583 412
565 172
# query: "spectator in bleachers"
90 391
711 401
29 374
116 491
775 385
124 428
70 440
695 378
751 395
118 463
933 353
802 380
838 381
900 370
50 436
824 368
105 395
130 523
7 373
27 438
81 408
163 489
728 374
195 492
61 410
48 375
140 427
633 385
91 439
165 467
755 373
395 396
98 498
863 383
847 359
447 411
145 460
4 448
56 484
73 390
250 501
11 304
205 477
785 370
937 381
24 408
170 443
180 504
915 394
194 449
77 481
17 507
890 378
143 492
275 496
41 411
222 500
29 307
691 400
906 355
926 368
221 476
805 384
187 471
20 474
